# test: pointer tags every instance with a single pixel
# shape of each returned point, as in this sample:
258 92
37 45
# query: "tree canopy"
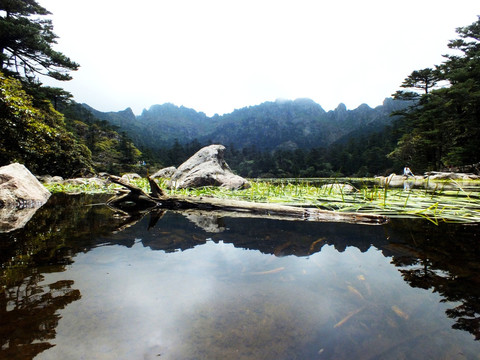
419 80
26 42
37 137
443 128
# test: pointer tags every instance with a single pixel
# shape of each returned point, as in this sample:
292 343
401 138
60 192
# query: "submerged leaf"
268 272
346 318
399 312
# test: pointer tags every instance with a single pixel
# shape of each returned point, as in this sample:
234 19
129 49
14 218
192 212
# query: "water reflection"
29 315
29 309
446 260
12 218
234 288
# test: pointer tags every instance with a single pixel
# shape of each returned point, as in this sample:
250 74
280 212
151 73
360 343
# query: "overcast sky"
219 55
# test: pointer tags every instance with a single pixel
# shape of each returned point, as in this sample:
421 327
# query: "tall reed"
437 204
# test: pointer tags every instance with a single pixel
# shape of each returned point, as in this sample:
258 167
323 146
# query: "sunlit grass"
439 203
86 188
436 203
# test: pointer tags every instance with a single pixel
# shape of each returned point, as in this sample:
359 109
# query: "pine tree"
444 127
26 42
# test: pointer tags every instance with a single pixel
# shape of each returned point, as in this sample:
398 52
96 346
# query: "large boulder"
21 194
205 220
207 167
164 173
20 188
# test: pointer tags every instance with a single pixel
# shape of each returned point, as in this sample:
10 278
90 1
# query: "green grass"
87 188
446 201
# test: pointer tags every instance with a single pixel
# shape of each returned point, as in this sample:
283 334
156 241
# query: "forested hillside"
364 155
112 150
159 126
434 123
275 139
68 142
283 124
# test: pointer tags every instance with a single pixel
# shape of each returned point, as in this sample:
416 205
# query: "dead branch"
138 199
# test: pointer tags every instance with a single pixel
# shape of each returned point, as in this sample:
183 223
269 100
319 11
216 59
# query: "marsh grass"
85 188
446 201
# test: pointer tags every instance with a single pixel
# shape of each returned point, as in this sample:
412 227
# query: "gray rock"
207 167
206 220
48 179
21 194
84 181
131 176
74 181
435 175
398 180
12 218
394 180
164 173
338 188
20 188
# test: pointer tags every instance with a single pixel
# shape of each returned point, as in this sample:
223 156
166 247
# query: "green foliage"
437 202
274 139
37 137
26 43
362 156
48 142
111 152
159 126
443 129
424 80
84 188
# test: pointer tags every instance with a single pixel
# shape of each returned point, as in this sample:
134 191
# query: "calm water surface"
82 282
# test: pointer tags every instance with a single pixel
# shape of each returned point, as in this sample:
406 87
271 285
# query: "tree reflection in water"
29 310
29 314
443 258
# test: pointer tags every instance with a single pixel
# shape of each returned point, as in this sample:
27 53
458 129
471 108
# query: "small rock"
131 176
338 188
48 179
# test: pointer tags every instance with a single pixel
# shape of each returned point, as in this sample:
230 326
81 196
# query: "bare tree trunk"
136 200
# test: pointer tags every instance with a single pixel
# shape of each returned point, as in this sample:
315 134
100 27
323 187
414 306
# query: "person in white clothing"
407 172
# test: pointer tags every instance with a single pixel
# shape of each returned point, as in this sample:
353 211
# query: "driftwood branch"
136 199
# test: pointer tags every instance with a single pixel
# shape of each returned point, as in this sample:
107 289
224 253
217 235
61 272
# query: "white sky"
219 55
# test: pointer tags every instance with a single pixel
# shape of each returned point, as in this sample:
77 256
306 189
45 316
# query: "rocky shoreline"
399 180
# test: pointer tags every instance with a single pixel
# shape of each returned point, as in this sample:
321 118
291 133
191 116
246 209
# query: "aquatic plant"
446 201
83 188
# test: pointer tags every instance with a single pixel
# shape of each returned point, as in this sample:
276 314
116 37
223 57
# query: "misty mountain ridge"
280 124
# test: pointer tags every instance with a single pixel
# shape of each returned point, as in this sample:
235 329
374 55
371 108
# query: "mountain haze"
281 124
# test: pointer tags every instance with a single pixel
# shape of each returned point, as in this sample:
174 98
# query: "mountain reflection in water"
81 281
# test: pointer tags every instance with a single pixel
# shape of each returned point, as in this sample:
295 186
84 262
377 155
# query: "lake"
81 281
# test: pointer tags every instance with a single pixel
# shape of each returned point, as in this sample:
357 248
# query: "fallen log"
136 199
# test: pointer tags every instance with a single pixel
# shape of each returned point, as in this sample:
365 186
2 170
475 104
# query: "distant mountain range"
282 124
